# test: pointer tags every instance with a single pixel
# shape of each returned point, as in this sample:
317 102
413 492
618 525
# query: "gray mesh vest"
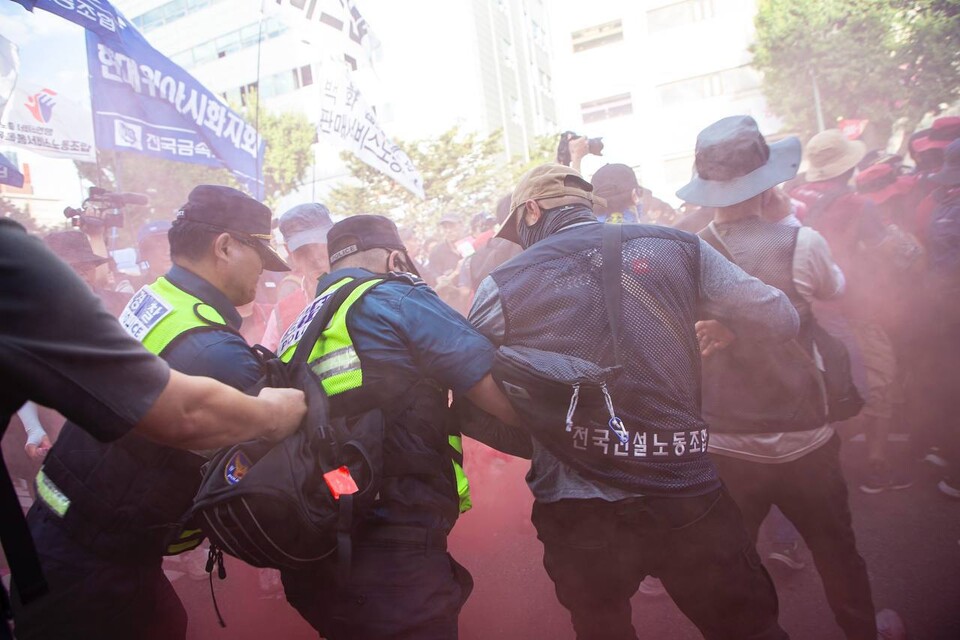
765 250
552 298
757 388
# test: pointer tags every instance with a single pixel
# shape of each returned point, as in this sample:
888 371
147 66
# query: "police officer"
107 513
394 345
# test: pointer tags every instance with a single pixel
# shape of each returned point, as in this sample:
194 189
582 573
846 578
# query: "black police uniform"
106 513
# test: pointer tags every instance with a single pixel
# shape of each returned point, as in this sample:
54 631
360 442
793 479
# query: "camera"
594 147
102 208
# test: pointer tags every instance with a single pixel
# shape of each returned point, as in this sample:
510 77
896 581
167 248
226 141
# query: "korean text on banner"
144 103
349 122
46 105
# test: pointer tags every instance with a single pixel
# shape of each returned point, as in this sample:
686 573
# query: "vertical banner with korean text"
349 122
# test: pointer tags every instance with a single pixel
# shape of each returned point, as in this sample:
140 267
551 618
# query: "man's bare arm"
201 413
486 395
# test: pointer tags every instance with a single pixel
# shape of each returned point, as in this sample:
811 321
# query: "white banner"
348 121
335 27
9 65
48 111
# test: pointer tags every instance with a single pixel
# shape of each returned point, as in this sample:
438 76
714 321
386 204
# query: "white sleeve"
815 274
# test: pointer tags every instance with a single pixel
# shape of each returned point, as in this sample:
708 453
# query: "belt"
421 537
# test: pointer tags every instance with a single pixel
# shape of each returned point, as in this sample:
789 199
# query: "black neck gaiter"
552 221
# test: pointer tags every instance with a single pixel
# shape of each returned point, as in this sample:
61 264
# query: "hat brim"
782 165
855 152
271 259
317 235
509 231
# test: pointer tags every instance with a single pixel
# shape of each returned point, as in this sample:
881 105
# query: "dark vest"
760 388
552 298
126 498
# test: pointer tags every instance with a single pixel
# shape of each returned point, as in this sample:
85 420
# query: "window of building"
678 14
165 13
606 108
507 48
729 82
597 36
231 42
306 76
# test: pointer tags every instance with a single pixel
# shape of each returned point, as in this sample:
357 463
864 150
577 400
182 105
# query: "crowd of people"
776 315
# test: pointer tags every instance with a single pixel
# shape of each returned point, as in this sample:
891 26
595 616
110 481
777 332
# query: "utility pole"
816 102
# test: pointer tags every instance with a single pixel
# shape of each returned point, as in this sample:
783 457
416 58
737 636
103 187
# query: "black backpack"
273 504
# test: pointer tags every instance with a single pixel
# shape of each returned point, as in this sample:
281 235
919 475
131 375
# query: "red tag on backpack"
341 483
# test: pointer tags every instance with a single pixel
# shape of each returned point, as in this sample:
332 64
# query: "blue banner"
9 173
98 16
144 103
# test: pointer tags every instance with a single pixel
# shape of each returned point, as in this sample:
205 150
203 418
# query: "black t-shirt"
61 349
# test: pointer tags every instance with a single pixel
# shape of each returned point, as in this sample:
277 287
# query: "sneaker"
936 460
788 555
651 587
890 626
880 479
949 488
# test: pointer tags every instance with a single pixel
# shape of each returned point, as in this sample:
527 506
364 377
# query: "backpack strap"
612 255
709 235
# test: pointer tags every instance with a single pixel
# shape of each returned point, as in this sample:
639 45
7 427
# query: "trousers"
94 596
812 493
597 553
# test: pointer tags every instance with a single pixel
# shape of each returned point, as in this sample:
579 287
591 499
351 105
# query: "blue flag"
145 103
9 173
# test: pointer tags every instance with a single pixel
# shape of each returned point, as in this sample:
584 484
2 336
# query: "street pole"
816 102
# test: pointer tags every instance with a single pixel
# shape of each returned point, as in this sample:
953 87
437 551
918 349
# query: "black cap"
612 181
360 233
232 211
73 247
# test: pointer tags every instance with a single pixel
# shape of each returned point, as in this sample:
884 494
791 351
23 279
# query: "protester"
153 250
860 244
445 256
304 229
495 252
397 347
766 453
617 185
50 316
944 282
73 247
108 512
655 505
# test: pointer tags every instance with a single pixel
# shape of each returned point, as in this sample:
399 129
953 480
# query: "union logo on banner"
41 104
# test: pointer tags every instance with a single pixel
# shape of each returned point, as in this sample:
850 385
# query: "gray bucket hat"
734 163
305 224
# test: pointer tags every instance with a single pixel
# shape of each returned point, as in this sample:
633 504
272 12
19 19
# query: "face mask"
552 221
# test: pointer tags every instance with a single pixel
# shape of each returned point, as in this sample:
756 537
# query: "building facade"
648 76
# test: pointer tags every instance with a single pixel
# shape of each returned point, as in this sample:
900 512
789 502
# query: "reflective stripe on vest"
463 483
335 361
159 313
51 495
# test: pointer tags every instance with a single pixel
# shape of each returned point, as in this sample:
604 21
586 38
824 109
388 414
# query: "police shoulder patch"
236 468
144 311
